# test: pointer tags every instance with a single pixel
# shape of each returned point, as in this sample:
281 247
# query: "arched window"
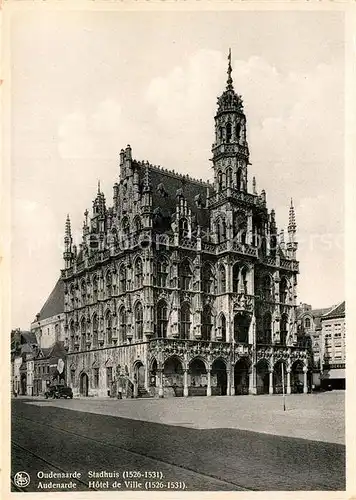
83 290
206 323
307 323
162 273
137 224
241 326
222 279
235 278
221 134
122 325
207 279
283 290
185 321
123 279
83 334
267 328
138 273
267 288
108 282
228 132
95 330
244 282
72 335
238 178
220 180
183 228
95 288
223 230
222 327
162 319
108 321
238 132
138 321
283 329
229 177
185 275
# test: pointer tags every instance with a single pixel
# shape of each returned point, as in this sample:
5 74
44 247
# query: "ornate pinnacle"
229 71
67 227
146 180
254 190
292 225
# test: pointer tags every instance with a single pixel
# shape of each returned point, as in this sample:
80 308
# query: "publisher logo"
22 479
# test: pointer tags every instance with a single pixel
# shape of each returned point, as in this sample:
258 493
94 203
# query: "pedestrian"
119 392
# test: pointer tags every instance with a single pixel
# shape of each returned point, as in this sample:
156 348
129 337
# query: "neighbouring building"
24 348
333 334
49 367
309 335
184 287
49 323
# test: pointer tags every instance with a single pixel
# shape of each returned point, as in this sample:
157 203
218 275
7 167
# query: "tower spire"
229 71
291 225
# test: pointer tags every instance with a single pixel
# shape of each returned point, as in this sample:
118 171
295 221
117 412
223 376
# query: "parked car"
58 391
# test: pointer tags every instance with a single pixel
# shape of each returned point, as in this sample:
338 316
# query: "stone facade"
334 347
181 286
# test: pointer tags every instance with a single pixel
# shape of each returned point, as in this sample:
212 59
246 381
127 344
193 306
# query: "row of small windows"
228 179
229 133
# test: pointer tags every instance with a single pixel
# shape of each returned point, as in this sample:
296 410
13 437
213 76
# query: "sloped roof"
166 198
55 302
336 312
29 337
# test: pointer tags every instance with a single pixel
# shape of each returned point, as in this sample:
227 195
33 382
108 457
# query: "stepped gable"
166 198
55 302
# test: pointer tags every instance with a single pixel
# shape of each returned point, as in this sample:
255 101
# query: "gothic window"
138 273
223 230
82 335
108 321
283 290
185 275
235 278
222 279
238 178
238 132
307 323
207 279
267 328
222 327
228 132
162 273
273 245
138 321
122 324
95 330
137 224
108 283
221 134
183 228
283 329
244 281
162 319
83 290
185 321
267 288
229 177
241 326
123 279
220 180
206 323
95 288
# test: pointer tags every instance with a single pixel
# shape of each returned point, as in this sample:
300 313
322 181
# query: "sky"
86 84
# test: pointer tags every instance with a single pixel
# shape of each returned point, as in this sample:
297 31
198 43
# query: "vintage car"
58 391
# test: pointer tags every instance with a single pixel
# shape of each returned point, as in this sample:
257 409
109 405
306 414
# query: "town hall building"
184 287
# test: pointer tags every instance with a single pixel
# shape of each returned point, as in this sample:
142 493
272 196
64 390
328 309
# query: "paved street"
219 443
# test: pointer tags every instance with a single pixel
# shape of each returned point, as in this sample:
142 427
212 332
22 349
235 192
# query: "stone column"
305 381
228 389
270 389
289 389
160 383
208 389
185 383
232 389
252 378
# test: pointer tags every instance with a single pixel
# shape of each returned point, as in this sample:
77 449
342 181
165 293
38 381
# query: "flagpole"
284 396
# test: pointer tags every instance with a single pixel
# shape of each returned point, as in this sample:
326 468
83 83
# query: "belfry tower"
230 149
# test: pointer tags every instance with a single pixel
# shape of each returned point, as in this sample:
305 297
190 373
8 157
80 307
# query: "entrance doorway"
219 369
84 384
